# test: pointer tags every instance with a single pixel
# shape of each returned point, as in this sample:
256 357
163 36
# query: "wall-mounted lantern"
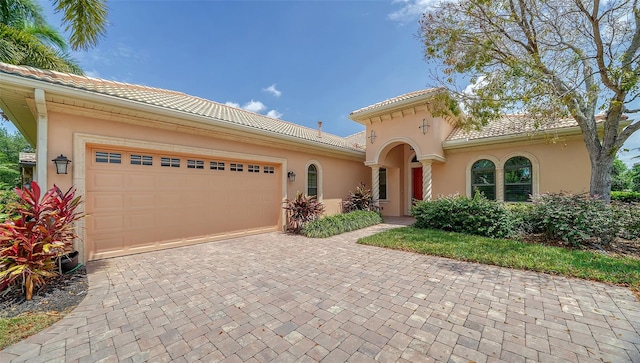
292 176
425 126
62 164
372 136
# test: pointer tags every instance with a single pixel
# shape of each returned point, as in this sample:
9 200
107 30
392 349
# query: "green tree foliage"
10 147
550 59
620 176
27 39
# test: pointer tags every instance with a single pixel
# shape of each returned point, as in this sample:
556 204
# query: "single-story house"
159 168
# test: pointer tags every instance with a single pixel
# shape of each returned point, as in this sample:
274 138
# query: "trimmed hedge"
625 197
340 223
461 214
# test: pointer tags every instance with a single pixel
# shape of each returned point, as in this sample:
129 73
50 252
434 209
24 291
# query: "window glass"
269 169
382 173
195 164
236 167
312 181
216 165
171 162
106 157
253 168
518 179
483 178
141 160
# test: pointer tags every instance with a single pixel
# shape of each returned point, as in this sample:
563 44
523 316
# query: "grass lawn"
507 253
13 330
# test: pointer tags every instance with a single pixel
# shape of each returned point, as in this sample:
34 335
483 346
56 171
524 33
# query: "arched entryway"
400 176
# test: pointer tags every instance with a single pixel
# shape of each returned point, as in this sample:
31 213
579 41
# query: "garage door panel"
137 208
140 181
140 200
106 180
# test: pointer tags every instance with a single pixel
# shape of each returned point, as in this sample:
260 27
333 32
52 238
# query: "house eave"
465 143
205 122
364 117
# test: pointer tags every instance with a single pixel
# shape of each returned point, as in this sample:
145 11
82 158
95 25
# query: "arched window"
518 176
312 181
483 178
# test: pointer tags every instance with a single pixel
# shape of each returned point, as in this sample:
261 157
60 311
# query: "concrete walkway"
284 298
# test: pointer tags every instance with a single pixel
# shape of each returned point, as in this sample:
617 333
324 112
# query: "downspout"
41 139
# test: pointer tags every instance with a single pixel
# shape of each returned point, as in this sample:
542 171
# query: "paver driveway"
286 298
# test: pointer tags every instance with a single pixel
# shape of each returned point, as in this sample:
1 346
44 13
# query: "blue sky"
301 61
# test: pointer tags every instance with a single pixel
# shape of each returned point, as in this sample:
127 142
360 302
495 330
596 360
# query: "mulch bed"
60 295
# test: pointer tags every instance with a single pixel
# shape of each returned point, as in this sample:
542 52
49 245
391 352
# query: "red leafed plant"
301 210
43 231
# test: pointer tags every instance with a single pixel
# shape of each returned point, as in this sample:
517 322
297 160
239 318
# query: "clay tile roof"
179 101
358 139
391 102
511 125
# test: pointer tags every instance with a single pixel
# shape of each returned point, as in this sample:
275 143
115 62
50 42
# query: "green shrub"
300 211
521 214
574 218
340 223
360 199
476 215
627 216
625 197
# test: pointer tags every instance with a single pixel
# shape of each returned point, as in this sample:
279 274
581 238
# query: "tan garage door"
141 201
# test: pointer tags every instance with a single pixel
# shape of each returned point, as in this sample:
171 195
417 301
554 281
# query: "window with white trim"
195 164
312 181
269 169
107 157
253 168
171 162
141 160
236 167
483 178
518 179
216 165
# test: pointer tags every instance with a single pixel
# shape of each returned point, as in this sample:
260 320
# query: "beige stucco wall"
395 129
563 165
338 176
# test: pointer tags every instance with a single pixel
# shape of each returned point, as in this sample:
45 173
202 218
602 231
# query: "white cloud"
232 104
274 114
254 106
411 10
272 89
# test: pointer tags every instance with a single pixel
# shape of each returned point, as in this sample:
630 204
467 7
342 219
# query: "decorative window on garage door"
107 157
269 169
172 162
141 159
195 164
236 167
216 165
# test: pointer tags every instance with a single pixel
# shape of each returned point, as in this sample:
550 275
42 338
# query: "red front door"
417 183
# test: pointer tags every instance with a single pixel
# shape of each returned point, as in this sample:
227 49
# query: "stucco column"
375 183
499 184
426 179
41 140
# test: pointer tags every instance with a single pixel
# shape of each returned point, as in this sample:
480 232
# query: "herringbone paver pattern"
283 298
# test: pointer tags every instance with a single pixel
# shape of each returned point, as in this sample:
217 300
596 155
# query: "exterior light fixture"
62 164
372 136
292 176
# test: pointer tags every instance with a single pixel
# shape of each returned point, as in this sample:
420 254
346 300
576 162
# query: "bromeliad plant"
43 230
300 211
360 199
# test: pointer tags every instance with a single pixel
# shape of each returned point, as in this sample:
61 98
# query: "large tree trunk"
601 167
